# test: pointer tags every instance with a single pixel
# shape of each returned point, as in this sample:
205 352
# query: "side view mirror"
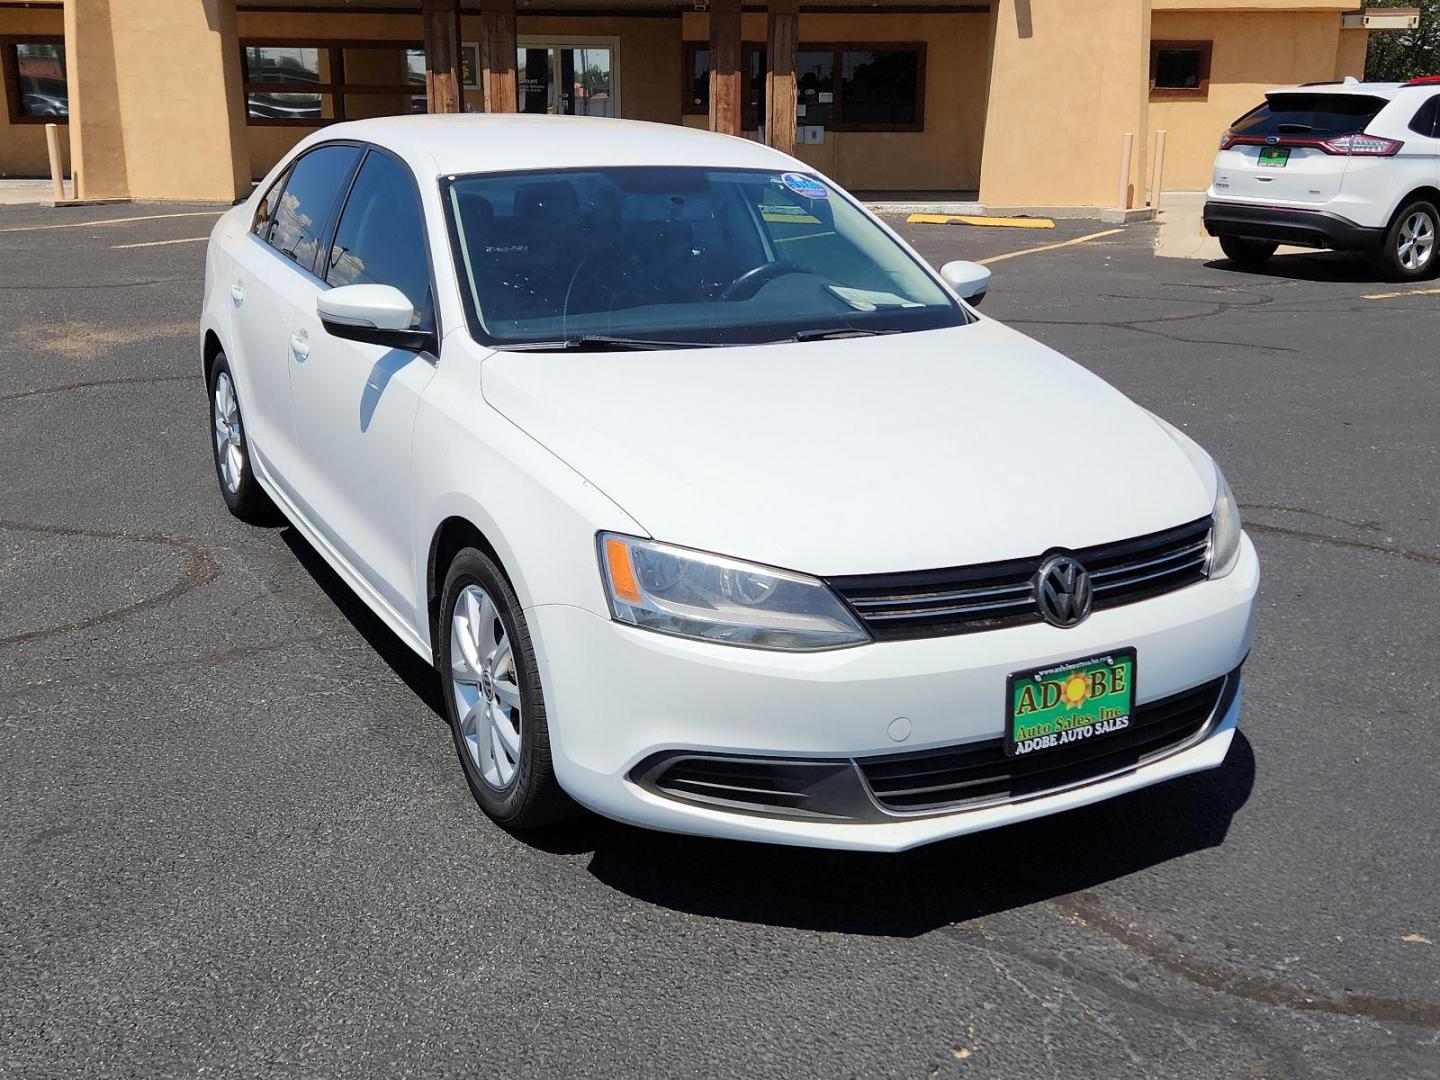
374 314
971 281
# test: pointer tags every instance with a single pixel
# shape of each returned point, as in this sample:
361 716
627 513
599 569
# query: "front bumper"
617 697
1285 225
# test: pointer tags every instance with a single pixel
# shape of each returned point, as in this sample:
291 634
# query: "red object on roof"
1424 80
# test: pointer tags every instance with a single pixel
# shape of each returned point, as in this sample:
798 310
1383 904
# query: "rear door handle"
300 344
237 292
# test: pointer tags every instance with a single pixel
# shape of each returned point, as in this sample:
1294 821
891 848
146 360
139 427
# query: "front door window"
567 80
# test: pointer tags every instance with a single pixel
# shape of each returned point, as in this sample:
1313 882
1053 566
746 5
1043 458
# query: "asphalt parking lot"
234 839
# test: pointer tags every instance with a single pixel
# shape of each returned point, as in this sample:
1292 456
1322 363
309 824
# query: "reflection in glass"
880 87
283 64
43 87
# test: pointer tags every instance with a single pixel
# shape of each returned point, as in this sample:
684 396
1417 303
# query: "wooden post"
1127 150
441 22
725 67
57 174
780 51
497 56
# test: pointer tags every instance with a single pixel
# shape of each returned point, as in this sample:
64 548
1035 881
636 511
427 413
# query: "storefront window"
319 84
37 86
841 87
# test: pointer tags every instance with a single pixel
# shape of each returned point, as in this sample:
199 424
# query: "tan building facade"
1026 102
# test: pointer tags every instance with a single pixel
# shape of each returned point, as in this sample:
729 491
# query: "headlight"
695 595
1225 533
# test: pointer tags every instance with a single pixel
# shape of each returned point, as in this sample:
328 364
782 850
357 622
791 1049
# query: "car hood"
861 455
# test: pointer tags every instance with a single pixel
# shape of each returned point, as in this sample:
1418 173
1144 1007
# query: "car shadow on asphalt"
412 670
917 891
1333 266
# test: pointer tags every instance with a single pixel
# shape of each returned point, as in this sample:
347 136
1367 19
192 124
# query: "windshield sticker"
803 185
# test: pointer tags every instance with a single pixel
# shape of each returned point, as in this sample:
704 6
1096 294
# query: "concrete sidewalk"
25 192
1182 234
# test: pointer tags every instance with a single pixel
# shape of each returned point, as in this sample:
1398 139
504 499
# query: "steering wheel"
751 281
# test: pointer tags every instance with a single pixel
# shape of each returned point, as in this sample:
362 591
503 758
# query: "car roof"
446 144
1387 90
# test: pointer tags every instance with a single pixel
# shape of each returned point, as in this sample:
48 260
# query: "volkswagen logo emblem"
1062 591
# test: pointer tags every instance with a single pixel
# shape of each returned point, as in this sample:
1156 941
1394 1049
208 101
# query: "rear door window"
1310 116
306 203
381 236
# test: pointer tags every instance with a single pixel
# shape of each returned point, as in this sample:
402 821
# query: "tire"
480 617
231 450
1409 251
1245 252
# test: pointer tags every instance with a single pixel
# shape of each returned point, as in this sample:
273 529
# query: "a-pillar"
781 45
1067 82
725 66
127 140
441 24
497 55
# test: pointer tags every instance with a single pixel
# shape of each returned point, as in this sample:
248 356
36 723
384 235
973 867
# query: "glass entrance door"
578 79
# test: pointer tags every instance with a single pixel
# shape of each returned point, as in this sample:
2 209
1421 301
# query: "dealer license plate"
1274 157
1063 705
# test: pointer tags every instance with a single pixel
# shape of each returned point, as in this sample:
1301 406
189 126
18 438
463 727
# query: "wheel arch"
210 348
1429 192
453 535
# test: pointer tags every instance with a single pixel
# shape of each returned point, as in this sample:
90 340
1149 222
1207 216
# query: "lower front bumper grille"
979 772
944 780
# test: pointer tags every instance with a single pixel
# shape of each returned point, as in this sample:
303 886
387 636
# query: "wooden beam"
441 21
497 55
781 46
725 66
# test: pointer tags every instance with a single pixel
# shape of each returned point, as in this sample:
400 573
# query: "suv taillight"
1227 140
1361 145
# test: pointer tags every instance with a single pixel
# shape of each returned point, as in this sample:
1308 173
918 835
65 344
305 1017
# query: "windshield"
1319 116
679 255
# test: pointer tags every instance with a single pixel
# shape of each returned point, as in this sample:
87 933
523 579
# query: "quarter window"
265 212
1427 120
1180 69
304 207
381 236
35 80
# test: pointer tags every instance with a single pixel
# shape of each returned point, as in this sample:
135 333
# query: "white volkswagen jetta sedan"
716 509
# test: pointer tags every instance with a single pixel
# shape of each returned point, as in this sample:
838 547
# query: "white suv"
1353 166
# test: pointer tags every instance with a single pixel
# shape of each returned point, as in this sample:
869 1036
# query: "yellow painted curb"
992 222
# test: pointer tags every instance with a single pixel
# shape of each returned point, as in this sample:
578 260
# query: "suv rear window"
1317 116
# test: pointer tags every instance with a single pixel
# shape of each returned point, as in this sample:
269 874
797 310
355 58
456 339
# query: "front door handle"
300 344
237 292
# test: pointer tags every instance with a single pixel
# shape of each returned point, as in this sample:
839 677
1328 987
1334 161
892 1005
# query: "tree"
1397 55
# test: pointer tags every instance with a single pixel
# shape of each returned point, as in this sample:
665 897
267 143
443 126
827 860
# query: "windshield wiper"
604 343
840 332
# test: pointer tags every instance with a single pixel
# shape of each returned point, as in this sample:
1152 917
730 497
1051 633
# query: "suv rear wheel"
1409 249
1244 252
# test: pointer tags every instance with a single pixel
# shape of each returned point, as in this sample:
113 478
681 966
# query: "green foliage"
1395 56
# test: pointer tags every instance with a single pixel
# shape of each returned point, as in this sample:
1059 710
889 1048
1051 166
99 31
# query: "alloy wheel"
1416 242
229 438
485 683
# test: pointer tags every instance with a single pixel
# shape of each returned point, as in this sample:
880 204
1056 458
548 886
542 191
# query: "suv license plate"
1057 706
1274 157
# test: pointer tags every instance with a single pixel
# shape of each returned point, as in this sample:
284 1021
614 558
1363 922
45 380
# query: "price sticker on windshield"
805 186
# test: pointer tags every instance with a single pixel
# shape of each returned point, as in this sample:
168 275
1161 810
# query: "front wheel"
1408 252
238 487
1246 252
493 696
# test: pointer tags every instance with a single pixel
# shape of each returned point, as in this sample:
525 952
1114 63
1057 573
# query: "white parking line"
111 221
159 243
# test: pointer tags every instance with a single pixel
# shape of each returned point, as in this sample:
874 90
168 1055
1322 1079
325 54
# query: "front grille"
962 600
953 777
